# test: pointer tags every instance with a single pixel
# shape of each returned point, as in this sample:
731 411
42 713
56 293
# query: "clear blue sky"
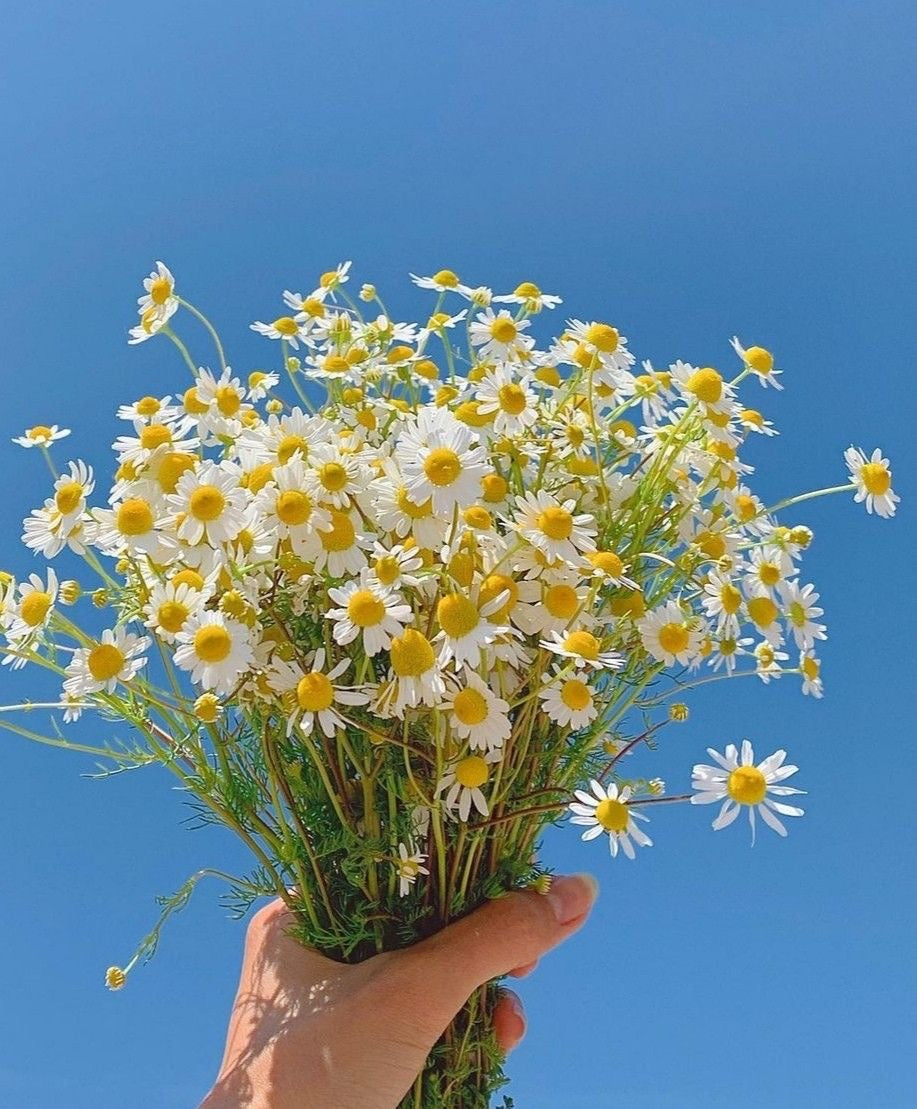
686 170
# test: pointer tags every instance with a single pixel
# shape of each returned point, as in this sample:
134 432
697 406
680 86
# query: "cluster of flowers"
471 533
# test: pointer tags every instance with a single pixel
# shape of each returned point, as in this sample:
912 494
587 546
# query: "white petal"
728 813
748 753
784 810
768 817
593 833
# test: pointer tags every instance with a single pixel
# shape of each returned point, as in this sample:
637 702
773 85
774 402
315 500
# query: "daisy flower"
704 385
287 509
669 635
607 810
510 399
334 477
116 657
152 320
752 420
568 700
393 567
128 526
407 867
341 550
609 567
160 292
478 715
462 784
41 435
315 693
872 478
499 336
443 281
47 532
768 660
811 674
169 606
738 782
530 297
439 461
216 649
584 649
368 610
415 675
464 631
722 600
209 504
551 526
33 609
759 361
764 614
800 610
284 327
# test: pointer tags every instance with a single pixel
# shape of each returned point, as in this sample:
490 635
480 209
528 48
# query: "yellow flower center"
762 611
286 325
411 509
188 577
746 785
68 497
548 375
561 601
471 772
313 308
711 544
603 337
760 360
171 468
134 517
457 615
575 694
156 435
503 329
612 815
192 402
160 290
673 638
228 400
442 466
876 478
745 507
584 644
207 503
512 398
293 508
171 616
400 354
34 608
147 406
446 278
342 535
706 384
752 416
470 706
39 433
365 609
608 562
212 643
314 692
288 445
476 516
387 569
491 588
105 662
730 599
769 573
527 289
411 654
207 708
810 667
335 364
494 488
797 614
333 476
555 523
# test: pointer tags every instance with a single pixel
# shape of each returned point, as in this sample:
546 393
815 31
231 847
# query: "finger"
521 972
508 1020
510 932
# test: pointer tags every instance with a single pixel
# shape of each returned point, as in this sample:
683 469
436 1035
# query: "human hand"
308 1031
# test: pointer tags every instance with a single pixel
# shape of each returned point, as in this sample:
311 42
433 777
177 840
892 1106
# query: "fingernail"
572 895
516 1005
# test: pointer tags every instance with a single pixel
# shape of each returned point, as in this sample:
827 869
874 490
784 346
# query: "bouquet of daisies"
389 619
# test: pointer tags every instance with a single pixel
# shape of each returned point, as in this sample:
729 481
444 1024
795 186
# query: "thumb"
504 934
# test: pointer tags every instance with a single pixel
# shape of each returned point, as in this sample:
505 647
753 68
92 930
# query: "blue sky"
688 171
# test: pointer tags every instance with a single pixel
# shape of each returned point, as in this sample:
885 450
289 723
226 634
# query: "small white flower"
463 784
669 635
116 657
584 649
738 782
408 866
42 436
315 693
216 649
608 810
370 611
873 480
568 699
478 715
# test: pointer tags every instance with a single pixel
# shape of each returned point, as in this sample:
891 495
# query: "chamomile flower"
216 649
768 661
722 601
169 606
116 657
408 866
554 527
443 281
477 714
34 606
440 462
810 667
759 361
370 612
416 678
41 435
873 480
801 611
315 695
609 568
704 386
500 335
284 327
670 635
739 783
509 397
568 699
287 509
464 629
152 320
584 649
160 292
530 297
608 810
393 567
209 504
464 783
341 545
